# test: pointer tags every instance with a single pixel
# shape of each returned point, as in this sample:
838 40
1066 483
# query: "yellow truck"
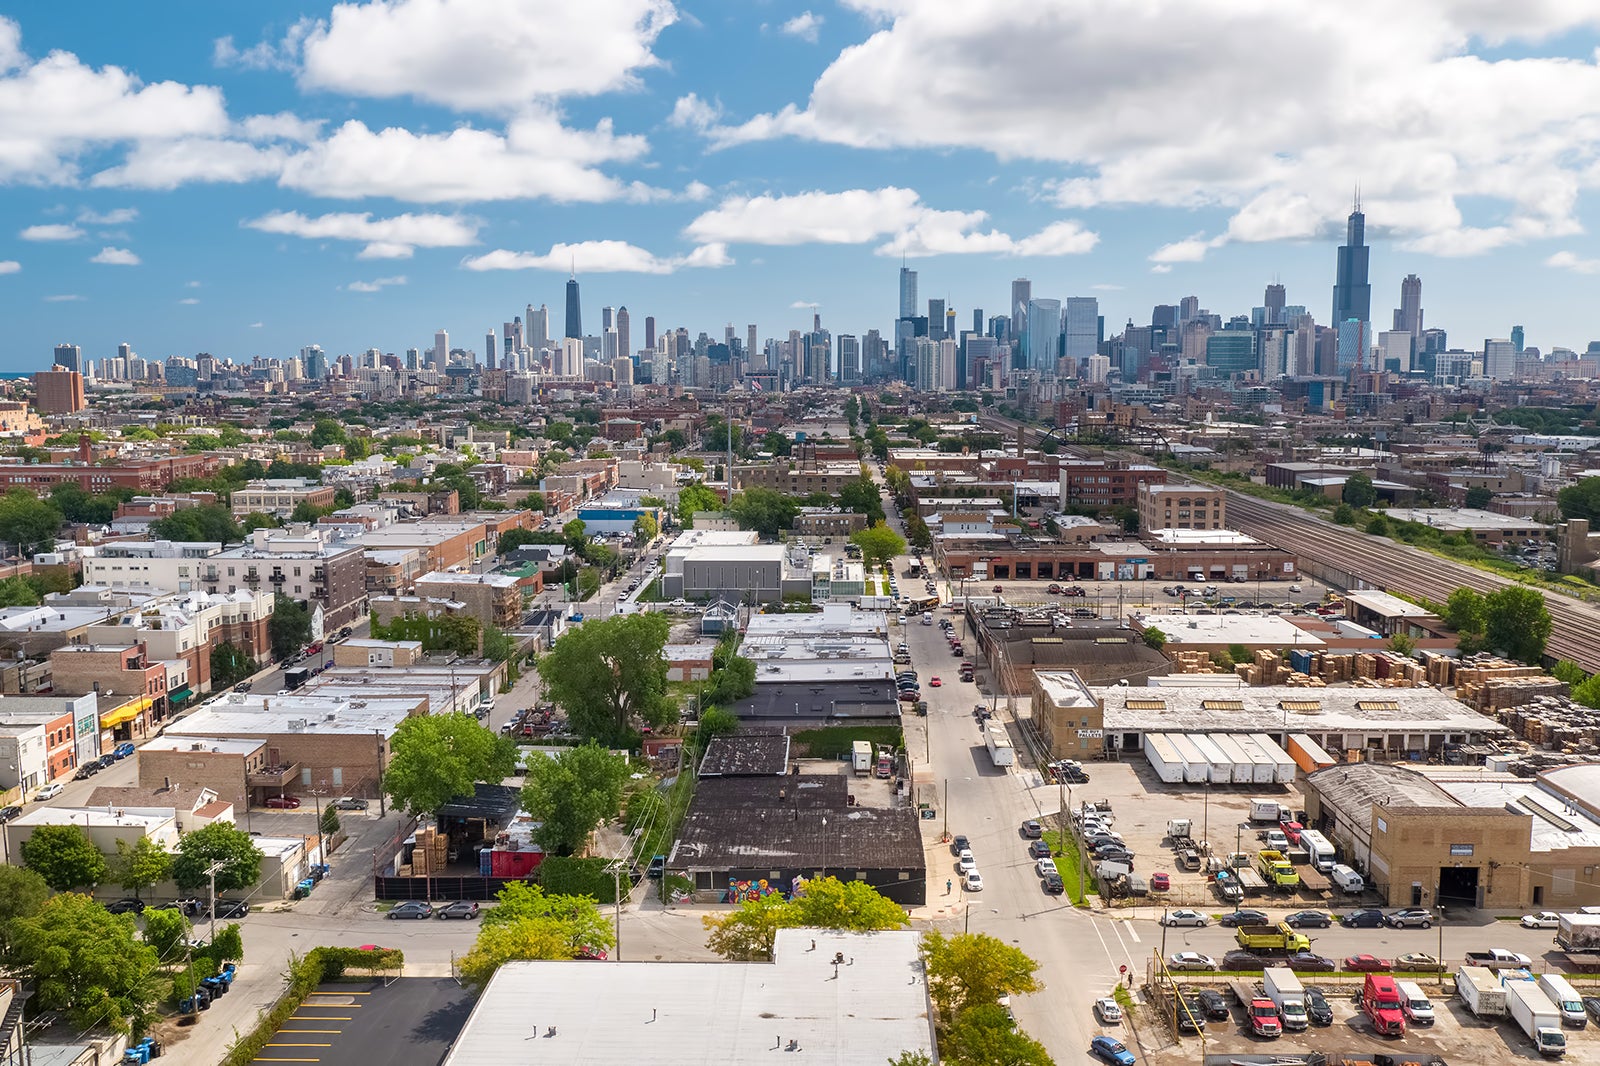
1280 939
1275 868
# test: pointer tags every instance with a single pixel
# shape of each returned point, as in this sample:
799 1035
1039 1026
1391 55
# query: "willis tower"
1352 295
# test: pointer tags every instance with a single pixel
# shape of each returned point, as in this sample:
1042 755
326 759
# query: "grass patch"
1069 863
835 742
1123 997
651 593
656 812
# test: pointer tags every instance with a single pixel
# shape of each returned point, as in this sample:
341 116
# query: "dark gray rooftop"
745 755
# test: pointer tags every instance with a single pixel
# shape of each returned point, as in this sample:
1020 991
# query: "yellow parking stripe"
319 1018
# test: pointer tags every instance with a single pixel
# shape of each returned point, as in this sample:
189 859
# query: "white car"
49 792
1107 1009
1191 960
1194 918
1542 920
972 881
965 862
1045 867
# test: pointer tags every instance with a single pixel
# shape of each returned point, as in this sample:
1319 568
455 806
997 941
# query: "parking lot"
413 1019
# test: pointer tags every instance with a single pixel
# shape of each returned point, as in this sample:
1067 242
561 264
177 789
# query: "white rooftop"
98 817
1385 604
1557 825
1268 630
867 1010
1458 518
214 745
1182 537
239 714
499 581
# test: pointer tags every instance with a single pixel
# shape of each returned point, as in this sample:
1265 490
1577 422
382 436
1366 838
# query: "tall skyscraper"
1021 293
574 312
1188 309
537 329
849 359
69 356
1517 343
1274 300
624 334
1082 327
977 320
650 332
751 345
488 349
908 293
1408 316
1042 341
441 349
1352 294
936 320
607 319
1499 359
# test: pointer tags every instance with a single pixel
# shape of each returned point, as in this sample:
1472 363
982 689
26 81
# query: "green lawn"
1070 864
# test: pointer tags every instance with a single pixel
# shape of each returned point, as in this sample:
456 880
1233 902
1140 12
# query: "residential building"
132 689
58 391
493 599
319 569
280 496
148 566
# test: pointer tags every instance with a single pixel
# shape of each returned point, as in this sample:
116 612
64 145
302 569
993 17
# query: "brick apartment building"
493 599
132 689
315 569
280 496
59 391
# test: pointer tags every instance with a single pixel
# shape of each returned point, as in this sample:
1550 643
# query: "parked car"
1592 1005
1410 918
1109 1050
1106 1009
350 803
1542 920
49 792
86 771
284 803
1160 882
1364 919
412 908
128 905
1214 1004
1032 829
1309 961
1191 960
934 682
107 760
972 881
1310 920
1185 917
1367 964
1317 1008
461 908
1045 867
1418 961
965 861
1243 961
1244 917
123 750
8 813
230 908
1053 884
959 843
1038 849
658 865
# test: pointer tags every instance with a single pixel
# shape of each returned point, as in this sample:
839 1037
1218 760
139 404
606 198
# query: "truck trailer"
1481 991
1537 1017
1001 753
1287 994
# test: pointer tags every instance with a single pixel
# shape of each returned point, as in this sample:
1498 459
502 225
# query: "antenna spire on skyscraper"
1355 203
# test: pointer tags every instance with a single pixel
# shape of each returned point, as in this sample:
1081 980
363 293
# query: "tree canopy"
747 933
974 969
607 672
219 842
1358 491
863 497
437 757
764 510
85 961
878 544
573 792
529 923
694 498
141 865
27 522
22 893
1581 500
208 521
1513 620
65 857
290 627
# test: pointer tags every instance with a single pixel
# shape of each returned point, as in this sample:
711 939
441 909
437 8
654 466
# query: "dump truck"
1537 1017
1277 871
1272 939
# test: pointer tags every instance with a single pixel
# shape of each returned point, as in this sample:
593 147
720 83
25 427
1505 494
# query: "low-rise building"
1181 507
493 599
280 496
318 569
148 566
132 690
828 522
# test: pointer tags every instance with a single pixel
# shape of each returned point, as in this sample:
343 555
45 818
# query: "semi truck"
1277 871
1276 939
1380 1002
1537 1017
1287 994
1481 991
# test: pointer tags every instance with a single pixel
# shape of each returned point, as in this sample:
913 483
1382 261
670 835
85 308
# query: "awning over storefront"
178 695
126 713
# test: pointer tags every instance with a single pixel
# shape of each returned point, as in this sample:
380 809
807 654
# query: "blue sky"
362 174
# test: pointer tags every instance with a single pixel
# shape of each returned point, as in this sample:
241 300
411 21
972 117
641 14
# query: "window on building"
338 775
305 776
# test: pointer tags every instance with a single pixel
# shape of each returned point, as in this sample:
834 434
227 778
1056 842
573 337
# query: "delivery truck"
1001 753
1481 991
1287 994
1269 811
1567 1002
1537 1017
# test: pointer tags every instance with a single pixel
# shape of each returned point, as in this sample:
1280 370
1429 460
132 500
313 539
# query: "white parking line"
1128 925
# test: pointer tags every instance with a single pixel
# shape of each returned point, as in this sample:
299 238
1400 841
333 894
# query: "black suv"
1365 919
1215 1005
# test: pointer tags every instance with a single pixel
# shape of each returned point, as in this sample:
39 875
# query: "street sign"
1122 969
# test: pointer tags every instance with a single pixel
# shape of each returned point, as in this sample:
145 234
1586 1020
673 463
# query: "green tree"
1479 497
27 523
911 1058
258 520
529 923
1570 672
65 857
1587 692
917 531
16 592
1358 491
166 930
306 511
862 496
512 539
607 672
574 534
328 431
1517 622
219 842
693 498
229 665
141 865
1402 644
714 722
1581 500
22 894
747 933
974 969
572 793
733 681
986 1036
1154 638
85 961
437 757
1466 611
1378 526
878 544
1344 514
206 522
290 627
646 528
533 501
764 510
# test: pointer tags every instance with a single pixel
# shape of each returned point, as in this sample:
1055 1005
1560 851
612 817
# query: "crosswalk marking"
1129 926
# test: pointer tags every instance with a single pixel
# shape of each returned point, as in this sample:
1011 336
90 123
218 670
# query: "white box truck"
1347 879
861 756
1320 852
1001 753
1480 989
1537 1017
1268 810
1566 999
1417 1009
1287 994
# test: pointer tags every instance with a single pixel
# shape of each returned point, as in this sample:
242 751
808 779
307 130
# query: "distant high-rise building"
1021 293
1499 359
441 349
488 349
1188 308
58 391
1042 342
1517 340
908 293
874 355
70 357
850 370
574 312
624 334
1081 321
607 319
315 362
608 346
1273 301
977 320
1394 351
1352 344
650 332
751 344
1232 351
537 329
1352 294
936 320
1408 316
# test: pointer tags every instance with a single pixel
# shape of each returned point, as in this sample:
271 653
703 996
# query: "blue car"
123 750
1112 1051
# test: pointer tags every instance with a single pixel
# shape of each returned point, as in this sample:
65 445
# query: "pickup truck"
1280 938
1498 959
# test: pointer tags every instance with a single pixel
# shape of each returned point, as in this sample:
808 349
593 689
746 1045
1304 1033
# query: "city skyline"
231 187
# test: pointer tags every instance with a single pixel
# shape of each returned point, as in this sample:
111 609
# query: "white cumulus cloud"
1573 262
9 266
600 257
109 256
497 55
804 26
117 216
385 238
52 231
376 284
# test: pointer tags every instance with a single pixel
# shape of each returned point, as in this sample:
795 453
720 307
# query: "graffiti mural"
740 891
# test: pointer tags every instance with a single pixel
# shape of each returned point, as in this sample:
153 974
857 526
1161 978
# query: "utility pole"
211 873
616 903
377 735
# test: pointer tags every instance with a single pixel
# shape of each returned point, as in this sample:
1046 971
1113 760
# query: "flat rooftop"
1266 630
1557 825
1460 518
1179 538
1272 708
240 714
214 745
98 817
1388 606
445 577
869 1009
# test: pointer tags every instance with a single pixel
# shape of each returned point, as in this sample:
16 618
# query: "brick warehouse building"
145 475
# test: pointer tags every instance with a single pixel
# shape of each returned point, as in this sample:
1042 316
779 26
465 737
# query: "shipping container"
1221 767
1283 767
1307 753
1195 766
1163 758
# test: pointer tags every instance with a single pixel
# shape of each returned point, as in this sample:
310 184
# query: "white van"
1347 879
1566 999
927 618
1416 1006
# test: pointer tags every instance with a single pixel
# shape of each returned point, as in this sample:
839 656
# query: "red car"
1160 882
1367 963
997 588
934 682
909 695
284 803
